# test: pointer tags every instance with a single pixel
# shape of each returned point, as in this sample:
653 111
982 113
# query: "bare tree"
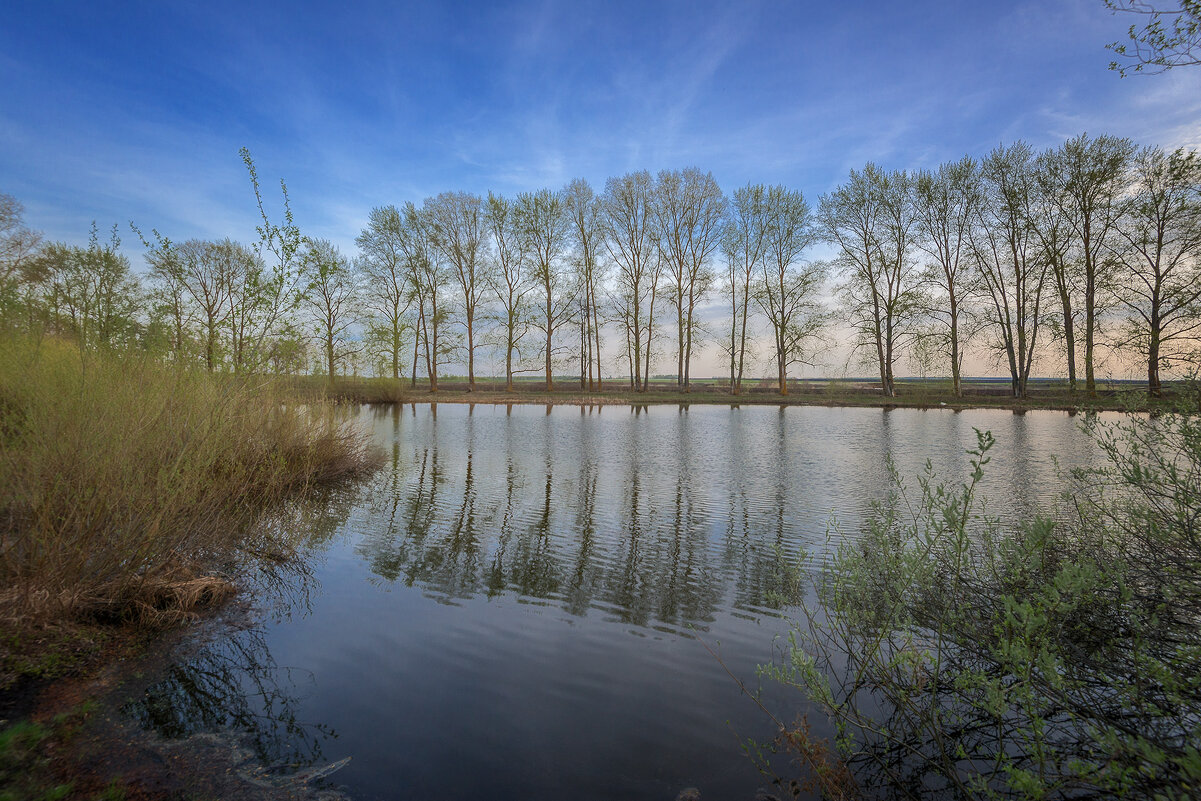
787 290
18 244
587 233
1012 270
428 279
690 210
207 280
168 295
1049 219
222 286
386 292
248 299
510 280
946 204
458 232
628 209
1093 173
871 221
332 295
744 244
1159 247
544 223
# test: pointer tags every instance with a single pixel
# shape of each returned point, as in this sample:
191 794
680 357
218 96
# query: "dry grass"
128 489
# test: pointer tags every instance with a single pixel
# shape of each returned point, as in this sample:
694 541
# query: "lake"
522 603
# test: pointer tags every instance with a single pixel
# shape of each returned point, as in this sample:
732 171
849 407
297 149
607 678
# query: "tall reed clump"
127 488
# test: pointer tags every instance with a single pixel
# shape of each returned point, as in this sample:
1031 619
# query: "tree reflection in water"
231 683
565 514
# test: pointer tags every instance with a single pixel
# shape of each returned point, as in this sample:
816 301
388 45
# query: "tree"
428 277
510 279
262 302
386 294
206 275
787 290
18 244
1159 247
543 221
1007 252
168 293
690 209
458 233
744 243
1050 222
1093 172
946 204
270 294
94 297
1168 38
587 232
871 221
629 219
332 295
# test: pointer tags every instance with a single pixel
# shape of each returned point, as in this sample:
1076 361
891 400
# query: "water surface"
518 605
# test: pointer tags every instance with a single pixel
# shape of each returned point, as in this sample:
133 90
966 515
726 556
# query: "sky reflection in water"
511 607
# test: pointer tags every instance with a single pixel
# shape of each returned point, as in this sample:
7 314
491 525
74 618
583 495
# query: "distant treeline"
1027 256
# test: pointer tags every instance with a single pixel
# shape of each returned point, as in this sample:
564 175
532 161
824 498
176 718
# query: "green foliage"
1168 37
958 658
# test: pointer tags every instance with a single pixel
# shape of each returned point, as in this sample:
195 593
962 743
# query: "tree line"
1069 254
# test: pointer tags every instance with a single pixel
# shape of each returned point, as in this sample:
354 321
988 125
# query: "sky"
120 112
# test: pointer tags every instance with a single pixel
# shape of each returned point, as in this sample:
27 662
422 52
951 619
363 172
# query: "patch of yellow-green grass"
126 485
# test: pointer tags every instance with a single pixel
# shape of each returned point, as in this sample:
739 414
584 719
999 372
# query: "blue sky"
119 112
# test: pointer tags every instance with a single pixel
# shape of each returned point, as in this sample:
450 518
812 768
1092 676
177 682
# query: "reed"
130 490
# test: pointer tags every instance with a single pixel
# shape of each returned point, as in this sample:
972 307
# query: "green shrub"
1062 659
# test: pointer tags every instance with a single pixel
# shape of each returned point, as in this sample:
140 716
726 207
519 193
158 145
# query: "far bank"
986 393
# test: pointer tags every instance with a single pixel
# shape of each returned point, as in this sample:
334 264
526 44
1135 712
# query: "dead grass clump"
157 603
123 483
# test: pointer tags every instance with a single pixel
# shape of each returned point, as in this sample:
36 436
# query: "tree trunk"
688 334
585 361
956 385
650 328
1090 296
783 371
1069 332
680 342
596 335
210 343
550 382
329 356
470 354
417 332
395 354
1154 388
742 343
509 354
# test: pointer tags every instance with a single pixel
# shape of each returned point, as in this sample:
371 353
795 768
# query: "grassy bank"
918 394
129 490
132 495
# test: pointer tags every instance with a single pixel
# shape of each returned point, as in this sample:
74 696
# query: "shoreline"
1131 401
